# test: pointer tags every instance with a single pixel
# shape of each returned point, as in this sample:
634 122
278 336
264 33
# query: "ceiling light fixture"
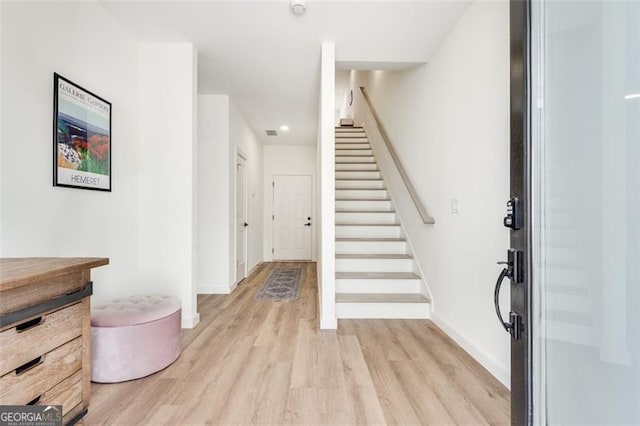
284 128
298 7
633 96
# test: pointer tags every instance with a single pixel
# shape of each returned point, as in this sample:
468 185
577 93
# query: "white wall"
213 184
341 97
326 179
168 86
449 123
243 139
222 131
286 160
82 42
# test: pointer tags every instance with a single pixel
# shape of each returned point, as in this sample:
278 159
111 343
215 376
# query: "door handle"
246 224
496 298
307 224
513 270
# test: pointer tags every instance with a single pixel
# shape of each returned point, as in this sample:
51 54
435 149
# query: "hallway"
265 362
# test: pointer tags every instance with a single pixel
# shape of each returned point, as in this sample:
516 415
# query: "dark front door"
517 262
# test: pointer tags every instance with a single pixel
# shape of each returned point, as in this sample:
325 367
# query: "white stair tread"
358 162
380 298
376 276
360 189
366 224
374 256
365 211
363 199
372 239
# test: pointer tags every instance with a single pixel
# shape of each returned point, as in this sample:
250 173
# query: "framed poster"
81 137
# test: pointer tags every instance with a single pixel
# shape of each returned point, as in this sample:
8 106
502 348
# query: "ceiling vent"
271 133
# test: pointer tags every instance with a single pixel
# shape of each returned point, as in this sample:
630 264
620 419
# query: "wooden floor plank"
267 362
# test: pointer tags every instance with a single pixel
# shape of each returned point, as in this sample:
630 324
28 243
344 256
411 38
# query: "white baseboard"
498 371
328 323
214 289
190 322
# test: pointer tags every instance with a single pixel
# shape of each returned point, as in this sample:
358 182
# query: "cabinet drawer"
17 298
27 382
29 340
67 393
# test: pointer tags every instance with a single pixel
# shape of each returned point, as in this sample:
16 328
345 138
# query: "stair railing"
426 218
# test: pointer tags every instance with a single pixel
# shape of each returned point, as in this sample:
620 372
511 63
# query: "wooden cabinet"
45 331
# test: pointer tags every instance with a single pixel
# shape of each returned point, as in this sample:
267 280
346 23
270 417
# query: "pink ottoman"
134 337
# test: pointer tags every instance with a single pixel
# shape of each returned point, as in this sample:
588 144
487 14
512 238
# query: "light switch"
455 206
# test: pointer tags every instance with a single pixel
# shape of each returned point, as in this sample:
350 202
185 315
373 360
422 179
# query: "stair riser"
361 184
354 167
383 310
345 231
353 194
353 152
364 205
342 145
358 175
377 286
351 139
371 247
365 217
374 265
355 159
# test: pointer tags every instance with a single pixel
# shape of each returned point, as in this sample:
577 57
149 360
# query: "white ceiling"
268 60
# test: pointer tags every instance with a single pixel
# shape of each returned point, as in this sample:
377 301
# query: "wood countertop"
18 272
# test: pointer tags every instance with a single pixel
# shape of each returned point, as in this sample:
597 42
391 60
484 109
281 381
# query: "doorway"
292 219
241 217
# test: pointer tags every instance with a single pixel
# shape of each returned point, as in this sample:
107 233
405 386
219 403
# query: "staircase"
376 275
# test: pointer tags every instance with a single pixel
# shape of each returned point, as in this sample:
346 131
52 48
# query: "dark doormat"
282 284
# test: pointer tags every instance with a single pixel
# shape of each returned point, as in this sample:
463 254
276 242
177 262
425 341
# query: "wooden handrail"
426 218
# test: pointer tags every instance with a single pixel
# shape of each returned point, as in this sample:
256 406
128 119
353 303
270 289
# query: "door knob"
246 224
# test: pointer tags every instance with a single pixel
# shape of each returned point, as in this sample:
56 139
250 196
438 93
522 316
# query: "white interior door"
241 218
292 217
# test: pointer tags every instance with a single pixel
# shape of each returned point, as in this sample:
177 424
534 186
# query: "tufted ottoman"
134 337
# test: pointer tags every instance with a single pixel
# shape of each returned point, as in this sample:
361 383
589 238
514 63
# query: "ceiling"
268 60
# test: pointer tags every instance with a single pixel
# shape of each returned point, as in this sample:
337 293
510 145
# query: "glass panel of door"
586 210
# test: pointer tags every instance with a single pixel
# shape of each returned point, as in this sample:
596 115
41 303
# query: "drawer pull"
29 324
29 365
35 400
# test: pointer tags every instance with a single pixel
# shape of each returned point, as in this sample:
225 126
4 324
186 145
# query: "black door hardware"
514 218
246 224
514 271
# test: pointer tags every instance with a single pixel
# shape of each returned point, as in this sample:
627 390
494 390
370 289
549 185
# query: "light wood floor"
263 362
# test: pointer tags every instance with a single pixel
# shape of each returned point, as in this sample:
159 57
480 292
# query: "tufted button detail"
134 310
